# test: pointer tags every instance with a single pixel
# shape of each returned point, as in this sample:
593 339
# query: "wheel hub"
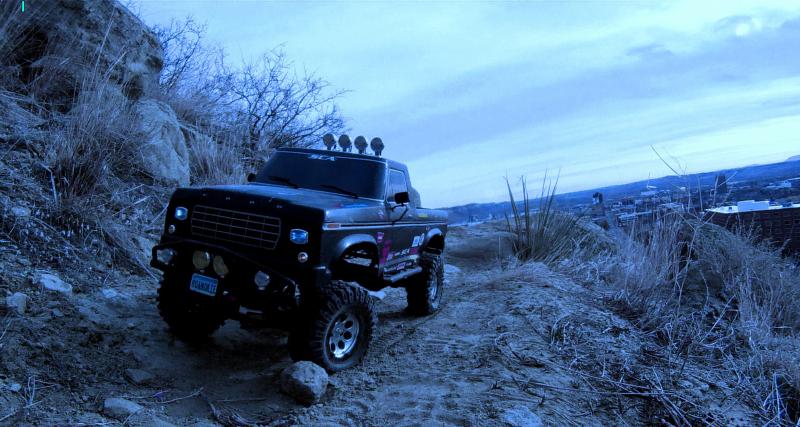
343 335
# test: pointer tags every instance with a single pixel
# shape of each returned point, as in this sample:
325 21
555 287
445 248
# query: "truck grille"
242 228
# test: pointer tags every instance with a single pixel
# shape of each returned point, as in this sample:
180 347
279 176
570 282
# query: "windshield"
341 175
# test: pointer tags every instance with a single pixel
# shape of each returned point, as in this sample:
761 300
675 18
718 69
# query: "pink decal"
379 237
385 253
413 251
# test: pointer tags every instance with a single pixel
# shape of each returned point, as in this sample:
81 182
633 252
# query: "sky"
468 93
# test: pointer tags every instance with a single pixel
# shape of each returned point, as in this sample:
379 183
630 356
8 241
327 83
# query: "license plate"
204 285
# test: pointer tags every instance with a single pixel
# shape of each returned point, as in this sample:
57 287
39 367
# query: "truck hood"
265 195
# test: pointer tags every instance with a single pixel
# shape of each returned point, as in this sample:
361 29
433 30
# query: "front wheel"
424 292
335 327
188 320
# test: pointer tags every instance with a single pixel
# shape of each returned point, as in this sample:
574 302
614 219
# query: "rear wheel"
335 327
424 292
189 320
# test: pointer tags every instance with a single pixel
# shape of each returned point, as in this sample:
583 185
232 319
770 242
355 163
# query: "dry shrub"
214 161
546 235
709 294
92 144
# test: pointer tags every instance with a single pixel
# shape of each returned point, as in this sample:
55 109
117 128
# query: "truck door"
403 233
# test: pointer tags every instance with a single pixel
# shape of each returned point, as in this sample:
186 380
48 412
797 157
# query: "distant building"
779 185
779 224
721 184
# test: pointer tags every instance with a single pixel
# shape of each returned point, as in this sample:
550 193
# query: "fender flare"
430 235
351 240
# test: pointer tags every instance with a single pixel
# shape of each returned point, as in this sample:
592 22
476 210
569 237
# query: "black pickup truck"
299 247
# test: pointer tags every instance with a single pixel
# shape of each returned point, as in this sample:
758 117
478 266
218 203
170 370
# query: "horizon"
587 89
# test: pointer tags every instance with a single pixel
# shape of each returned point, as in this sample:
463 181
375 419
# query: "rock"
52 282
15 387
451 269
17 302
109 293
163 150
20 212
57 313
520 416
138 376
304 381
128 51
119 408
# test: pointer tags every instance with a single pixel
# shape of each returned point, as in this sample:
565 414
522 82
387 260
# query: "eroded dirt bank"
510 346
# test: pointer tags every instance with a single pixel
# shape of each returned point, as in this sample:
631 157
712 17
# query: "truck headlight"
298 236
201 259
181 213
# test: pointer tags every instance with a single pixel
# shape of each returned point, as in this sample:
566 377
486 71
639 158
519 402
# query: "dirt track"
500 348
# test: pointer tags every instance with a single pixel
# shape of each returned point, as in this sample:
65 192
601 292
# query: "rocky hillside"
680 324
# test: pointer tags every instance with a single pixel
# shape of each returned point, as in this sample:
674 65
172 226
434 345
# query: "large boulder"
305 381
163 146
66 37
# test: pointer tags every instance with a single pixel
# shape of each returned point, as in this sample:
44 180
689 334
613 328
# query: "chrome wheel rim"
433 289
343 335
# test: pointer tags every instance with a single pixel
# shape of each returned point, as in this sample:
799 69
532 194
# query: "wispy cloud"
468 92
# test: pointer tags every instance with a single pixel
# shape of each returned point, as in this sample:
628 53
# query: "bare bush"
547 234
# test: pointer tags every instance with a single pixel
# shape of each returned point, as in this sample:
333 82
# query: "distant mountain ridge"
773 171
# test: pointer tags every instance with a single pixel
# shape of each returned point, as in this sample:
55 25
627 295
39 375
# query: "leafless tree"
264 102
283 108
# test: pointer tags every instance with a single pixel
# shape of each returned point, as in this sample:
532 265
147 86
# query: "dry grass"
546 234
721 299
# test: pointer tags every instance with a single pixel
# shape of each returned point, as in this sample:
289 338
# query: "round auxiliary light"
171 229
201 259
219 266
165 256
302 257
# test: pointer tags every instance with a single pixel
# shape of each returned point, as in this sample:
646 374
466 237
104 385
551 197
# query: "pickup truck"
301 246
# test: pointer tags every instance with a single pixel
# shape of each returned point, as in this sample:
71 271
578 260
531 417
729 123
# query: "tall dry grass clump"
544 234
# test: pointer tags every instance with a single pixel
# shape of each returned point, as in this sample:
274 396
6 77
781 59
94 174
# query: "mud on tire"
334 328
424 292
188 321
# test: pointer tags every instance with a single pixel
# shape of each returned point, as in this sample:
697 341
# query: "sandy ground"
507 348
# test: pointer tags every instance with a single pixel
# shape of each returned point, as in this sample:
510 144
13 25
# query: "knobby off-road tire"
188 321
335 327
424 292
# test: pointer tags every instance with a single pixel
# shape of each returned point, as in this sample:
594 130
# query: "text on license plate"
203 284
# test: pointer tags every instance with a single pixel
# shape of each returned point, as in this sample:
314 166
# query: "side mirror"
402 198
251 177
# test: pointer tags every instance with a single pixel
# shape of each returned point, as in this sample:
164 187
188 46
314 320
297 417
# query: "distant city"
765 198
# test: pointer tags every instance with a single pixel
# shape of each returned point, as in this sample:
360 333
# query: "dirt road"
499 352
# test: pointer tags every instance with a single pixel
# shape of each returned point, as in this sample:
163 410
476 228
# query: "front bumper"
308 275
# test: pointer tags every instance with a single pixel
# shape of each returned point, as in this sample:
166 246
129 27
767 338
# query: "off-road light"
344 143
171 229
219 266
298 236
329 141
165 256
302 257
201 259
181 213
361 144
377 146
261 280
